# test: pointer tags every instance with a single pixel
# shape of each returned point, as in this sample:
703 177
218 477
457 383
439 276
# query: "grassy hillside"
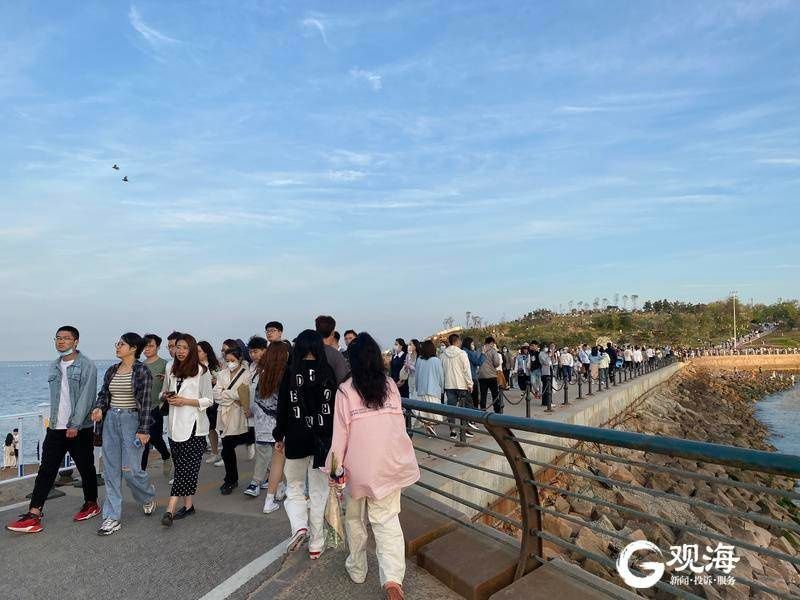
661 322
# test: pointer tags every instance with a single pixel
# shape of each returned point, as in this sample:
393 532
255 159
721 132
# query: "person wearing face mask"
73 386
232 394
397 364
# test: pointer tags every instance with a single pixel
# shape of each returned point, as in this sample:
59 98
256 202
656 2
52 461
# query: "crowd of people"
311 417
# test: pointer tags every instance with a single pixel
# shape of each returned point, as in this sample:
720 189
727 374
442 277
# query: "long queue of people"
311 417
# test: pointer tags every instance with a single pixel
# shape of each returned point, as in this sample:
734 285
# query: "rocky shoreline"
695 404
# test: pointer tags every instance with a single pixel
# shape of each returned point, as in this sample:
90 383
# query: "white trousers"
389 541
306 515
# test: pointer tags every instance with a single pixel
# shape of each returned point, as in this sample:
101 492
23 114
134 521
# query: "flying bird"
125 179
115 167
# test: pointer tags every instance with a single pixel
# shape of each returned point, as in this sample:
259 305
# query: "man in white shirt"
73 388
546 362
457 378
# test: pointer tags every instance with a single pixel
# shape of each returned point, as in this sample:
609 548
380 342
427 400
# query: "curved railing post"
531 544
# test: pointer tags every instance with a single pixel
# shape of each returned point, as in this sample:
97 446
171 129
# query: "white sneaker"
149 507
109 526
280 493
252 490
171 481
219 463
270 505
251 451
265 484
300 536
212 459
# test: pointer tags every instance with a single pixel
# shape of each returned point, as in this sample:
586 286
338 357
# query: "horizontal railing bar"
472 505
577 521
20 416
604 560
757 460
724 481
710 533
510 541
471 484
460 444
673 497
464 463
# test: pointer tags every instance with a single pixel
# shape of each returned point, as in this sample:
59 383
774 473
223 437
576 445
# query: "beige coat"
233 403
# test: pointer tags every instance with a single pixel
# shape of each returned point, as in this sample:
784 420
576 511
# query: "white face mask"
232 364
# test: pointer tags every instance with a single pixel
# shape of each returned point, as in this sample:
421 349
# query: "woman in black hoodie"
303 430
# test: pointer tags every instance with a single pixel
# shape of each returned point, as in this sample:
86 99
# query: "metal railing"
559 477
585 384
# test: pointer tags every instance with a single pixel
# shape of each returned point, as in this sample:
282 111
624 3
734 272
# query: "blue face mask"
63 353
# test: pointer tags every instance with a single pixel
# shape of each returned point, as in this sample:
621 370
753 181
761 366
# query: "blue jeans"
123 460
455 398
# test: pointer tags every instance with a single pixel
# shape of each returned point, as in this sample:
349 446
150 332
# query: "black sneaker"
226 489
183 512
453 435
473 426
166 520
468 433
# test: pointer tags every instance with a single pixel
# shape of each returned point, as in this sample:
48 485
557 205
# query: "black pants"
486 384
229 443
55 448
156 439
547 390
523 381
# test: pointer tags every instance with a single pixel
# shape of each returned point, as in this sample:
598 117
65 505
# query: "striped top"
121 391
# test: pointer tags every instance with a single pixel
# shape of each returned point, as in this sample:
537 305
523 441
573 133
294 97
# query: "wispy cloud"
792 162
373 79
346 175
151 35
314 23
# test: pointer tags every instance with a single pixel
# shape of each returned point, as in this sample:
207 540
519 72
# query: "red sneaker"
87 511
27 523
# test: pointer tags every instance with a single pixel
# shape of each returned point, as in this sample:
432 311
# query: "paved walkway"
190 560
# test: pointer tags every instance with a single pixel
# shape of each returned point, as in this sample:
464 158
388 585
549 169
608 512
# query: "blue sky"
390 164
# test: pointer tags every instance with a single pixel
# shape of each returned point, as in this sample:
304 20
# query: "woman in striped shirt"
124 404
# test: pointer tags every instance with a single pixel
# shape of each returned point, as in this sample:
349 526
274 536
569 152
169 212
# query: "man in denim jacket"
73 388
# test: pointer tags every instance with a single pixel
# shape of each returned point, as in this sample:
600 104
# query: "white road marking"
13 506
246 573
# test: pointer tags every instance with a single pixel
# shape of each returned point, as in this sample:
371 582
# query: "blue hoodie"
475 360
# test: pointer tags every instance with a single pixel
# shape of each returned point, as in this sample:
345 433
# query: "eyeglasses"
119 344
59 338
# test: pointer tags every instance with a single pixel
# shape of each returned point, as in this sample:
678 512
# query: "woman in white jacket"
189 393
232 394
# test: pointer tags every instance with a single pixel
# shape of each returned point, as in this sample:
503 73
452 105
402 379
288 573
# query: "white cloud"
312 23
792 162
373 79
151 35
346 175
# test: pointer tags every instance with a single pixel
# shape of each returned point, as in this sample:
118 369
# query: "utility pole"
733 295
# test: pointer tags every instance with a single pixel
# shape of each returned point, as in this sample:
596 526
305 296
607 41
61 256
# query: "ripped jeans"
122 459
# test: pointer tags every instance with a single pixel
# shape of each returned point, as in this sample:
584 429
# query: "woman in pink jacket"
371 444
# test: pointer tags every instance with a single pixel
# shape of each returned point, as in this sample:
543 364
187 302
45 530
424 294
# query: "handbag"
501 380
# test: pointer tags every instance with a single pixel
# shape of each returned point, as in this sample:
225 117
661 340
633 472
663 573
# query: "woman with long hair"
407 373
9 459
232 394
430 382
124 403
269 375
303 430
209 359
377 459
189 393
